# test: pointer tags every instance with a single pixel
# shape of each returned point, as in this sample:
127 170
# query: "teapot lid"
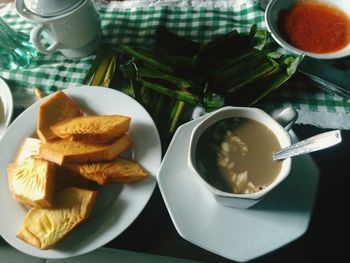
48 8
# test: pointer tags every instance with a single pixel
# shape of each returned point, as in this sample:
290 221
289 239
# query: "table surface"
326 239
201 21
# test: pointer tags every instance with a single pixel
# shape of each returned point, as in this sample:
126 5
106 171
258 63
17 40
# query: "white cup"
287 117
75 34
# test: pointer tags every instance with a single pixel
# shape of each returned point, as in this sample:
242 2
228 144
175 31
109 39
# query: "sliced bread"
29 148
32 182
44 228
56 108
120 170
92 129
67 151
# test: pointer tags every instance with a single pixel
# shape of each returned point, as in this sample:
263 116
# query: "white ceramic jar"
69 26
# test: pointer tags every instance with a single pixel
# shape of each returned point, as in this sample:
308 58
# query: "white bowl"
272 13
283 137
6 106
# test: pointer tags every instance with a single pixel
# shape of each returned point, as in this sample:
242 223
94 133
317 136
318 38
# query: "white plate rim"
148 153
6 100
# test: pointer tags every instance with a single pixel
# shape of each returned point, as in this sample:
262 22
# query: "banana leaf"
174 75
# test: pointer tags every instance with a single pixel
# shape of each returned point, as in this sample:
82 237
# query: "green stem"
149 73
146 57
180 95
250 76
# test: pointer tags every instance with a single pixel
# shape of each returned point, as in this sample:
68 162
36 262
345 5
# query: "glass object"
15 48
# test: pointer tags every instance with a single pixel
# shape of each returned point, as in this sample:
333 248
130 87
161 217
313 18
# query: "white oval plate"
117 205
6 106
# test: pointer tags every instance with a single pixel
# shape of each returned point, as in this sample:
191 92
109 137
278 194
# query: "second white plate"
237 234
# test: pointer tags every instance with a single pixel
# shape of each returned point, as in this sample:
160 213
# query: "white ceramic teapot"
72 27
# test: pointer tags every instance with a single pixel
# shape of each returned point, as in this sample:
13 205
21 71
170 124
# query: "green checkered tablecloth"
132 22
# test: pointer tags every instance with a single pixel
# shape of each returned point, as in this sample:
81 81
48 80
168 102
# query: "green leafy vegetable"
175 73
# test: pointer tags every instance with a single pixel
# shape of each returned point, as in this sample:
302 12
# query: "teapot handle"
35 39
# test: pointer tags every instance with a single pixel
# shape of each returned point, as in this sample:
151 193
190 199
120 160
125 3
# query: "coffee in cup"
231 152
234 155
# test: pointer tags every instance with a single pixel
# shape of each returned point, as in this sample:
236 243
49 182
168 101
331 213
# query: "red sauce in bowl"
315 27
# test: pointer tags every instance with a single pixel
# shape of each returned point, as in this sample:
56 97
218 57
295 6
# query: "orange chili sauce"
315 27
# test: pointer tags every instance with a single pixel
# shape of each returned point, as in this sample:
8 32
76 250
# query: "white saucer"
6 106
239 235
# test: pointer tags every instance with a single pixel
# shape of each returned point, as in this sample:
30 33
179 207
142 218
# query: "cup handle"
286 117
35 39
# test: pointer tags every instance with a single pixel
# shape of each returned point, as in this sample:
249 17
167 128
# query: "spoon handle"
312 144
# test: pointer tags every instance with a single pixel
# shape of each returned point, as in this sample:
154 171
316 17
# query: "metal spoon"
312 144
